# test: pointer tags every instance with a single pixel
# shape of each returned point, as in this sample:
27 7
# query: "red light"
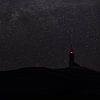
71 52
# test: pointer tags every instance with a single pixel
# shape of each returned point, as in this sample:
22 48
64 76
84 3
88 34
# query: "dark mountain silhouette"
42 81
74 80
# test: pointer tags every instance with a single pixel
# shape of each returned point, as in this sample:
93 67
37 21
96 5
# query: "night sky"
37 33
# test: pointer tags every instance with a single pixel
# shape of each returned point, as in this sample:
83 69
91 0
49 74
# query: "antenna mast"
71 52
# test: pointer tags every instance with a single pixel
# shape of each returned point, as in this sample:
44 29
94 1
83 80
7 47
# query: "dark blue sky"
36 33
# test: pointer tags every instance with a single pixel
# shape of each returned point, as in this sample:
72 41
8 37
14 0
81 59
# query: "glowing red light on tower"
71 51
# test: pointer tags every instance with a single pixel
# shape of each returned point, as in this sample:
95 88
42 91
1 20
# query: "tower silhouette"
71 57
71 51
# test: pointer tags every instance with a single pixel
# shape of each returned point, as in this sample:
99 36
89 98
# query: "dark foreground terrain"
43 81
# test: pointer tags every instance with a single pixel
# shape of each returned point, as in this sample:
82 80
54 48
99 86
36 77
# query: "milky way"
37 33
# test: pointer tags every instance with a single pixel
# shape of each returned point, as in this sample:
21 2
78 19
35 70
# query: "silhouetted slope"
48 81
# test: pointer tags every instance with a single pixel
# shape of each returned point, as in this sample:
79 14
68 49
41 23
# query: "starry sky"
39 32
